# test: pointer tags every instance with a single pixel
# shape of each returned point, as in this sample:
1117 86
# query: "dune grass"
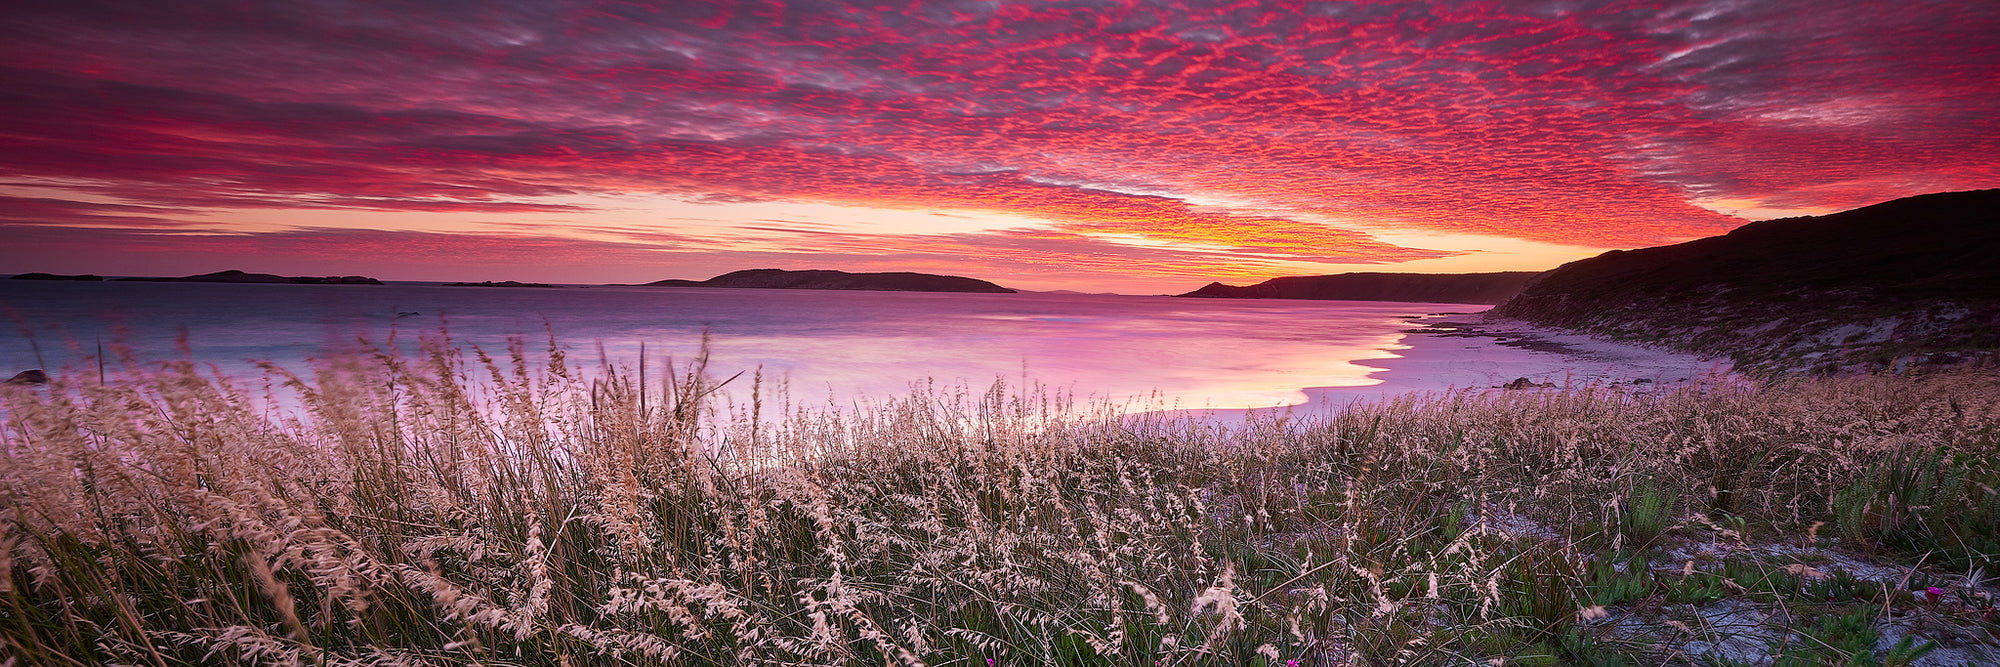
453 507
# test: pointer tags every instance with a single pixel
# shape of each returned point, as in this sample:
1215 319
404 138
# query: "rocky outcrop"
1902 284
840 280
499 283
1488 288
29 377
234 276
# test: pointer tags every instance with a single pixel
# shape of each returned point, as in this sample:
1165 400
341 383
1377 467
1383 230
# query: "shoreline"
1449 352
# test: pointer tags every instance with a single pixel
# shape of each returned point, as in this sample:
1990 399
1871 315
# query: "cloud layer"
1224 135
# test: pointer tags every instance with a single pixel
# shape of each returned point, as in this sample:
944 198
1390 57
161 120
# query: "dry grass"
454 508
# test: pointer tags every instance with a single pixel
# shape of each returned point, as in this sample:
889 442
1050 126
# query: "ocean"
818 347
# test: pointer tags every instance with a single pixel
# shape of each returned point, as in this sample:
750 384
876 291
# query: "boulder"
29 377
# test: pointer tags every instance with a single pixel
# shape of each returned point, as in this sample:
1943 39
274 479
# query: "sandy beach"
1460 351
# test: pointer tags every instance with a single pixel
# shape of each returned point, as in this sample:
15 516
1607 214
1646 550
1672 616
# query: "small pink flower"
989 662
1932 596
1291 663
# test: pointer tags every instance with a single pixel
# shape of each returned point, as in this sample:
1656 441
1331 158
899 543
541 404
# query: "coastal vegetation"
463 505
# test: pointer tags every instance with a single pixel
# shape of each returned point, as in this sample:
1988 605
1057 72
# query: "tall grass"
456 507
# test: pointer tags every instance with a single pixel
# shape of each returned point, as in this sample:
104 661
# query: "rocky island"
499 283
1487 288
899 281
86 277
235 276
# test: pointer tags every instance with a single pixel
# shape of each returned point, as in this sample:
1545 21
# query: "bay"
827 347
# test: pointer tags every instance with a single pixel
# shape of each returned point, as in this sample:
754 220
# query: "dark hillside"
1907 281
1420 287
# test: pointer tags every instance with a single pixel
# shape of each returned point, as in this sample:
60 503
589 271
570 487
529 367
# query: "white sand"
1471 351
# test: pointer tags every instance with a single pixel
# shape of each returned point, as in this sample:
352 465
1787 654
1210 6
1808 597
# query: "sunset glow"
1096 146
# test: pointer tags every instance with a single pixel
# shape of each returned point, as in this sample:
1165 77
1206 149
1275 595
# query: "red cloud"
1229 125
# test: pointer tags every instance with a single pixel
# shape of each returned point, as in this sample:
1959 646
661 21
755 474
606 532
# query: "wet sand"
1455 351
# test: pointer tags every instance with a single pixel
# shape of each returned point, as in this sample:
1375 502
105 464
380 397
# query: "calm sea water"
835 346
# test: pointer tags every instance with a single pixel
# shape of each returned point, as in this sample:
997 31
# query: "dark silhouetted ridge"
1421 287
234 276
53 276
1910 281
840 280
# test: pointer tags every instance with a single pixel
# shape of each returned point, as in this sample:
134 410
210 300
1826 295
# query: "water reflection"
824 346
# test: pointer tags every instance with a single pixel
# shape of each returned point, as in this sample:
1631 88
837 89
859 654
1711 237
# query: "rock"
500 283
29 377
1520 383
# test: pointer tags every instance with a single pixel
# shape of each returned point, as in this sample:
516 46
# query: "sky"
1135 147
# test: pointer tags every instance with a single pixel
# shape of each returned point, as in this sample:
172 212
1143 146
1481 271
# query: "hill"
52 276
900 281
1422 287
235 276
1910 281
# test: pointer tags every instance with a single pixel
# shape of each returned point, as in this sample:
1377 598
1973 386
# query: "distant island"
900 281
499 283
54 276
1910 282
1487 288
234 276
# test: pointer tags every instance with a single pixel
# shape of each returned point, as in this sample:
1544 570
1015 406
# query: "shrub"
1925 500
1646 514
